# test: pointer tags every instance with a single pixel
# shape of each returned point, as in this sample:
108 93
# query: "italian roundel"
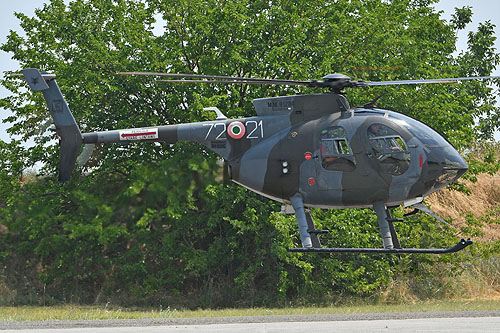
236 130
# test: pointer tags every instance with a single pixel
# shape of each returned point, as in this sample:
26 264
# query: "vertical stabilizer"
66 127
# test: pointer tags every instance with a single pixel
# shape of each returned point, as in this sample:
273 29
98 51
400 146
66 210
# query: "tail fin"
66 127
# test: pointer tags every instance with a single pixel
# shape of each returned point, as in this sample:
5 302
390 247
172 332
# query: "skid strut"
384 225
300 214
307 230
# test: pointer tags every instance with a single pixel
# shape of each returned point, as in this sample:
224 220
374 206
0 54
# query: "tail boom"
212 134
201 132
166 133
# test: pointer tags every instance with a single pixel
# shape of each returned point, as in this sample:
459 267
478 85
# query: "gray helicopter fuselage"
351 167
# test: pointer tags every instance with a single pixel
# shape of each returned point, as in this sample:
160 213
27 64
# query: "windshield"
424 133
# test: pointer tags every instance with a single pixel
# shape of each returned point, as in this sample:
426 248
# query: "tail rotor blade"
85 155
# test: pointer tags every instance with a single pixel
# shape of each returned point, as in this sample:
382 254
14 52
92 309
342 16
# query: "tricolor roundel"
236 130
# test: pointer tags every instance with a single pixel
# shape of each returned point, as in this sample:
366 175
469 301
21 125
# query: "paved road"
469 321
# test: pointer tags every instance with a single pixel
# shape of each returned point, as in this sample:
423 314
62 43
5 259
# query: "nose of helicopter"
445 165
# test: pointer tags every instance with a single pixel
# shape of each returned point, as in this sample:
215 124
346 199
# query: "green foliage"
159 223
462 17
12 164
482 158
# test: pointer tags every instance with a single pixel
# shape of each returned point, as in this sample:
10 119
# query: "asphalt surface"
470 321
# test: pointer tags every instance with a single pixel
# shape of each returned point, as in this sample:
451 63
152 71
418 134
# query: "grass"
76 312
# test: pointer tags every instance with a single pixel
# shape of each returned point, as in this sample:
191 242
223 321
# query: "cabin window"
389 149
336 154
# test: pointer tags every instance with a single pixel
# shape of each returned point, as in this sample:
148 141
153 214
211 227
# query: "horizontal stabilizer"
36 80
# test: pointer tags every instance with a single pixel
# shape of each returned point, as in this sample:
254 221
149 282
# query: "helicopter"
305 151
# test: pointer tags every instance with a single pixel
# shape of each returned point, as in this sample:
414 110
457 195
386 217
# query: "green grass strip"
78 312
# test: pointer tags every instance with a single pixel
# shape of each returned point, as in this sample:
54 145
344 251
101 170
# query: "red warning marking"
124 135
308 156
421 161
311 181
137 134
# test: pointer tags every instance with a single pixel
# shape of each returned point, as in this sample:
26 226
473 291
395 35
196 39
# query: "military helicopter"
305 151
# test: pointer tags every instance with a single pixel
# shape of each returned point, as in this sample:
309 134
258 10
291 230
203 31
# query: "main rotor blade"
217 78
448 80
335 84
275 82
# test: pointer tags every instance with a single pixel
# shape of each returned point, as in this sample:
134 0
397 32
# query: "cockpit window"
424 133
389 149
336 154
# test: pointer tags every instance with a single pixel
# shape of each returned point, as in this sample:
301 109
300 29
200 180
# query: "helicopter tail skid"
66 128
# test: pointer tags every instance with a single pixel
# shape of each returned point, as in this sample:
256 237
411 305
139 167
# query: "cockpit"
443 163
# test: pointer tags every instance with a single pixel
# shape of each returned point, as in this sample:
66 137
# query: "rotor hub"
336 77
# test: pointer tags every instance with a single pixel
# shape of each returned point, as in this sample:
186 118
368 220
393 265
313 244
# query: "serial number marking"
256 125
282 105
255 130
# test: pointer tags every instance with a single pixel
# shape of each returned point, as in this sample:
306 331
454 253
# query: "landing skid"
391 245
460 246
